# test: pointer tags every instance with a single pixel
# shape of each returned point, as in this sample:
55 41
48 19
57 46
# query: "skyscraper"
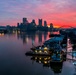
33 22
45 24
18 24
25 21
40 22
51 26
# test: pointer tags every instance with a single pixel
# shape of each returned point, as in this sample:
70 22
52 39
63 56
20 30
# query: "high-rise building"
25 21
51 26
18 24
33 22
40 22
45 24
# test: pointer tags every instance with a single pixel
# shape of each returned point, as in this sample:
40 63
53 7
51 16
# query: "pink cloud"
59 12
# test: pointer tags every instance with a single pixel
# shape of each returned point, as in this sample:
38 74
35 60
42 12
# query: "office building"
25 21
45 24
40 22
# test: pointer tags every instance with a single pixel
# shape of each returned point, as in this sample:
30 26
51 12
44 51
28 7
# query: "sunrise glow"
58 12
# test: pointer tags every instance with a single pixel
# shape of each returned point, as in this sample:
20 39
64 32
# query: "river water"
13 60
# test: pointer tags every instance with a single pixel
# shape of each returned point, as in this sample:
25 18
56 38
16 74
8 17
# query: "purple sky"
59 12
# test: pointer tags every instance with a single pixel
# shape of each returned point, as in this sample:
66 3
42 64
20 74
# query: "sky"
58 12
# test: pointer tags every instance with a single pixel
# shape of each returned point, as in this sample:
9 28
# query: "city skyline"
58 12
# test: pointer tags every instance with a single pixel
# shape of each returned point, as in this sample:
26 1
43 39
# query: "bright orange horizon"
48 23
58 12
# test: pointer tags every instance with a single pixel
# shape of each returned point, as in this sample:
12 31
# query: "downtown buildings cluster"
32 26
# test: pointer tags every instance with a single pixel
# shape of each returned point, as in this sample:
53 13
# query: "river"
13 60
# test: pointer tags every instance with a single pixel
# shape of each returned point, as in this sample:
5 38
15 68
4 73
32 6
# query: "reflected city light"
13 31
18 31
40 58
27 39
40 62
35 58
45 62
1 34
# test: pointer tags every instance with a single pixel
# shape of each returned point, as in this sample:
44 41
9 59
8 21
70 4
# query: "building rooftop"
54 39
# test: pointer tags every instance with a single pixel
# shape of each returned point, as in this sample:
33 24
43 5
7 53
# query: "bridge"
66 27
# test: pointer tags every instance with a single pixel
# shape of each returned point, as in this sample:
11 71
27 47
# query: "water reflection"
46 62
56 67
14 62
34 36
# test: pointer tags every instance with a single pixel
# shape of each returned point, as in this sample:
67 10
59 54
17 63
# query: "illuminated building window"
45 58
35 58
39 47
48 57
40 58
45 48
36 51
45 51
40 51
